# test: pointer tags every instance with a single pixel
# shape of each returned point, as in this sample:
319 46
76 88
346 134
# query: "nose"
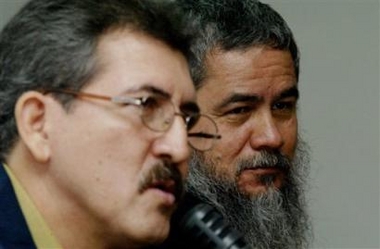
265 133
173 144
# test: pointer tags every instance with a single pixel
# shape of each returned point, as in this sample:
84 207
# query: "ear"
30 114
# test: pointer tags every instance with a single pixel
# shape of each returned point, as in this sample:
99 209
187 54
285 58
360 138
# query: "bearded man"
246 74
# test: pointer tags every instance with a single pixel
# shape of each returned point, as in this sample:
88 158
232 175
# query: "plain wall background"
339 113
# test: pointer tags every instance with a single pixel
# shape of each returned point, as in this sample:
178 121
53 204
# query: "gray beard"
276 219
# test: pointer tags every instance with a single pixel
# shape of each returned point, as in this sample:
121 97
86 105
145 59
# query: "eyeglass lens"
202 134
158 114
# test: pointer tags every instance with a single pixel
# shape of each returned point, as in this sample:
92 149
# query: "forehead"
259 69
127 60
255 62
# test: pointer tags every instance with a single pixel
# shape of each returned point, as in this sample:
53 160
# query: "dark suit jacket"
14 232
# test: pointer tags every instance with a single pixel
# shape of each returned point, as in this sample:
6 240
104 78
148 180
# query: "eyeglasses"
157 114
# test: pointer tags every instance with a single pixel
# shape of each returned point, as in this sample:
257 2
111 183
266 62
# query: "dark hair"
52 44
235 24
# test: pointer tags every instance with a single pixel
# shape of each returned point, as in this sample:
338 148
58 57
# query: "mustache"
161 173
265 159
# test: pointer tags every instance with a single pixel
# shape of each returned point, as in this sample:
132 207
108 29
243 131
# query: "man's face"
104 160
254 175
252 95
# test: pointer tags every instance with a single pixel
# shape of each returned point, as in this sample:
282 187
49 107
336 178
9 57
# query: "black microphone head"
206 228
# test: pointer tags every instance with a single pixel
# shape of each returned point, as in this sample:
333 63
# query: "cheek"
289 133
114 136
123 153
228 149
101 150
235 138
122 150
97 160
103 169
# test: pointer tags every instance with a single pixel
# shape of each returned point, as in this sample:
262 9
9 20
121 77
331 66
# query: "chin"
142 240
157 238
152 228
157 232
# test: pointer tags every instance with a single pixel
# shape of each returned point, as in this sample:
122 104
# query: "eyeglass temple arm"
116 99
78 94
205 135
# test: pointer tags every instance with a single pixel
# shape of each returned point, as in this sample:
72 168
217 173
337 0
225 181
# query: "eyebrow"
154 90
290 92
238 97
241 98
187 107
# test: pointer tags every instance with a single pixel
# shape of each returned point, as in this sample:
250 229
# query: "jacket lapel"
14 232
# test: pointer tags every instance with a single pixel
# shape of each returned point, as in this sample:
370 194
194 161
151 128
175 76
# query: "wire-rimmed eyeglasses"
158 112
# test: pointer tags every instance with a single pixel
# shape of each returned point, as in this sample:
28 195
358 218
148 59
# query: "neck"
66 218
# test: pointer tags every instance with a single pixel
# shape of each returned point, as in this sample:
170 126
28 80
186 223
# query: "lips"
165 177
168 186
265 174
258 180
265 160
264 170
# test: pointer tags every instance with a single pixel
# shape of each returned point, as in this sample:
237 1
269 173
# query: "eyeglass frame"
139 101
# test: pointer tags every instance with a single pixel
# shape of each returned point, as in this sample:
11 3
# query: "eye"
151 102
238 114
148 101
239 110
191 120
284 106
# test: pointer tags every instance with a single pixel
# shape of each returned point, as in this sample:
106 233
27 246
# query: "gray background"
339 113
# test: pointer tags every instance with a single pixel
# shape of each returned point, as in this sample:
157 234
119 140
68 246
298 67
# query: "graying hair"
275 219
235 25
52 44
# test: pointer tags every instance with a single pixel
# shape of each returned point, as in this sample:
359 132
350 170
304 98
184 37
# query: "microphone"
204 227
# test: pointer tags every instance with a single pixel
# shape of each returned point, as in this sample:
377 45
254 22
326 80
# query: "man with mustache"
246 73
97 112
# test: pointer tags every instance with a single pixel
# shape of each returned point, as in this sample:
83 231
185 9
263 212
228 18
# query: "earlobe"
30 115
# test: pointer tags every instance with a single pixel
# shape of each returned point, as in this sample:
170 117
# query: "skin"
260 116
82 168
